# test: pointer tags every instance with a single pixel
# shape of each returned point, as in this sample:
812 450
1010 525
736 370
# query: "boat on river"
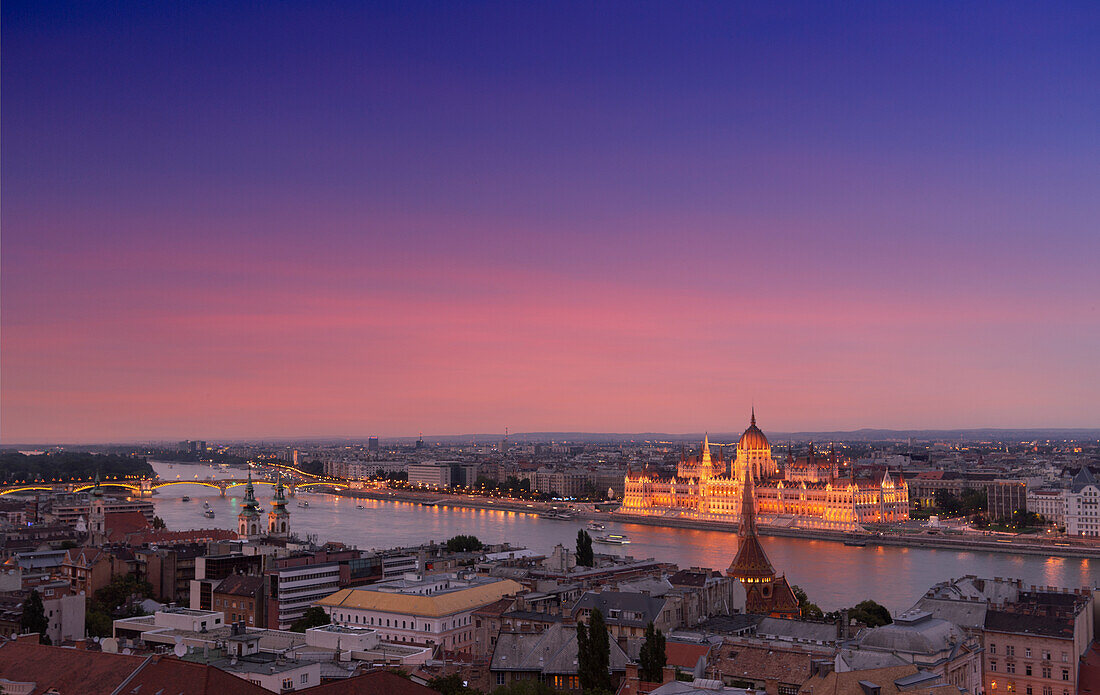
209 513
595 526
612 539
185 499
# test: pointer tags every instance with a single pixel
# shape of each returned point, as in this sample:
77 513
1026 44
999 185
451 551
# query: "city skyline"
239 223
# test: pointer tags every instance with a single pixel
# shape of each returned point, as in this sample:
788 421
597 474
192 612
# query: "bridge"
145 487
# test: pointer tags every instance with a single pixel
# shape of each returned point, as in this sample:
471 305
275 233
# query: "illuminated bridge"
148 486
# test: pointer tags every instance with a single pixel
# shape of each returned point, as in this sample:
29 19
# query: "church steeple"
248 525
748 507
278 519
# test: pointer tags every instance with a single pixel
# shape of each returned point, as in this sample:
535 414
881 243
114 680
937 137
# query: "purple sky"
288 219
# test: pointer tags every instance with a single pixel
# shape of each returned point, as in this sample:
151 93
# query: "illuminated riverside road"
834 575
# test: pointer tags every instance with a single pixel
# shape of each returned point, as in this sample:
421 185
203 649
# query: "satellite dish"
127 651
180 649
109 645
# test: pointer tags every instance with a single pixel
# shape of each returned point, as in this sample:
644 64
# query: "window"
288 683
1027 652
1010 650
1046 672
1046 656
1065 657
500 678
1028 689
992 648
1010 668
1065 674
993 665
1027 669
304 679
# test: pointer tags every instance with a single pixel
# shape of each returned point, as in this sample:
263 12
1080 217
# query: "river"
833 575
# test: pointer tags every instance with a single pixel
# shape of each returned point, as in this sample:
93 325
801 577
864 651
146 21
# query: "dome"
753 439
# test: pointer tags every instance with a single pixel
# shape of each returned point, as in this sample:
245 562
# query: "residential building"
916 637
1036 643
242 598
891 680
549 657
775 669
1083 505
627 613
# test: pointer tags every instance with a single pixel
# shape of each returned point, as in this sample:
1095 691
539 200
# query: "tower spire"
752 420
748 507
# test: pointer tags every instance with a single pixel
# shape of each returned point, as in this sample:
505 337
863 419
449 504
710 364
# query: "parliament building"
809 492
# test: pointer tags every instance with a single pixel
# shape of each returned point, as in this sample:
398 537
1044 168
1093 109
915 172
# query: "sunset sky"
234 220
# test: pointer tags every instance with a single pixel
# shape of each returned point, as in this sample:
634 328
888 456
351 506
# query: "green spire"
97 491
279 502
250 505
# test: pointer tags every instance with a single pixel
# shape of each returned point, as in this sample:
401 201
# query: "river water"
834 575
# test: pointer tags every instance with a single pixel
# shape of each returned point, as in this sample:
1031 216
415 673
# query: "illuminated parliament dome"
753 439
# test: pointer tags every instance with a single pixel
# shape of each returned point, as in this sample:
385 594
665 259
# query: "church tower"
97 514
765 593
248 521
278 519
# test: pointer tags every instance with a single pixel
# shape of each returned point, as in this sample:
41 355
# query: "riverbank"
1015 545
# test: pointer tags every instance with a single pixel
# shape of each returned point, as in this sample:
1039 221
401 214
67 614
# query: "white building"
294 589
431 474
1049 502
1083 505
433 610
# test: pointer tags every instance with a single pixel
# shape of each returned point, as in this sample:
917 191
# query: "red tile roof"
685 654
121 524
380 682
193 536
80 672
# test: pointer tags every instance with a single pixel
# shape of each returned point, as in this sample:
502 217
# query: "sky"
244 220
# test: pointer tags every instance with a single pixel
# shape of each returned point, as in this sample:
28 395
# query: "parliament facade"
810 492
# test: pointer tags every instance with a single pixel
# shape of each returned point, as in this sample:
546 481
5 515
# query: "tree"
34 616
464 544
594 654
96 622
810 611
651 661
315 616
158 523
452 685
947 502
585 556
870 613
118 597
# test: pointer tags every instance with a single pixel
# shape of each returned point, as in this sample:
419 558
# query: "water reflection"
834 575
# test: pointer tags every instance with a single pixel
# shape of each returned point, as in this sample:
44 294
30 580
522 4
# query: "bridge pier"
222 488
